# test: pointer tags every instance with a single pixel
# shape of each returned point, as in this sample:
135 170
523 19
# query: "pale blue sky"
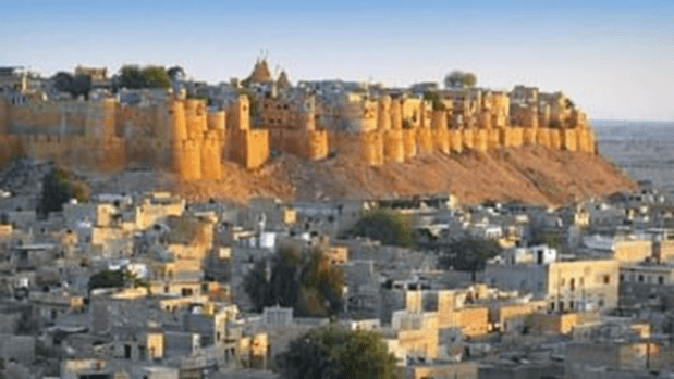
615 58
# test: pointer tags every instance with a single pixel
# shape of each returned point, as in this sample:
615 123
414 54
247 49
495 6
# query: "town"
143 284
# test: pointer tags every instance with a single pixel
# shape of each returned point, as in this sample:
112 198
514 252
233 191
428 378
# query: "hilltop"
532 174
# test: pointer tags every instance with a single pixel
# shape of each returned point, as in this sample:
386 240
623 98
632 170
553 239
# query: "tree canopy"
460 79
435 100
134 77
76 85
469 254
391 228
107 279
306 282
59 186
175 70
333 353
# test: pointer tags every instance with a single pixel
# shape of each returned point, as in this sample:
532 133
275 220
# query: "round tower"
384 118
178 125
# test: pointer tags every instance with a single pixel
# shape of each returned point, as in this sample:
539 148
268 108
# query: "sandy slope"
530 174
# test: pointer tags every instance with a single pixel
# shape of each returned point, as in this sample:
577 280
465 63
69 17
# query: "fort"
176 134
188 137
396 130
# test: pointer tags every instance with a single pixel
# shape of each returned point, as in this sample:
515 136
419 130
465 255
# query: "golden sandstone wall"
179 135
292 127
385 123
182 136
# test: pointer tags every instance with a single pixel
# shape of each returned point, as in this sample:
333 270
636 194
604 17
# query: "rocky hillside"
531 174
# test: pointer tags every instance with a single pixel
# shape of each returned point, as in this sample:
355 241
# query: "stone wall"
181 135
422 129
292 127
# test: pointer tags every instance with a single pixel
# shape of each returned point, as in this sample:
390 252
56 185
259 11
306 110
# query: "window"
661 279
622 278
571 304
572 284
641 278
607 279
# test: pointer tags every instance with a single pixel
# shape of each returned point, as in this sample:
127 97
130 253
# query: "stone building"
582 285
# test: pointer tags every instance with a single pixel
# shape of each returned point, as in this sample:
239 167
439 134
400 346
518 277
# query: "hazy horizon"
614 59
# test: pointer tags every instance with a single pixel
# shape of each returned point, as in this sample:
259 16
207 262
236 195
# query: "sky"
615 59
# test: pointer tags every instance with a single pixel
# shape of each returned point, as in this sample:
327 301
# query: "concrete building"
582 285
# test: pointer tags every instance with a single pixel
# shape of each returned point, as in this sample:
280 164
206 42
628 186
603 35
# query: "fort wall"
371 147
424 140
394 148
181 134
410 143
441 140
456 140
481 124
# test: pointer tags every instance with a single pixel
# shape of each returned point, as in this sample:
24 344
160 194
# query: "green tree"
306 282
81 85
435 99
156 77
256 285
107 279
175 70
63 82
546 238
460 79
76 85
131 77
55 192
329 352
59 186
391 228
469 254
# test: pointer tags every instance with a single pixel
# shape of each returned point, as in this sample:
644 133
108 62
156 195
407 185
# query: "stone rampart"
394 148
424 140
